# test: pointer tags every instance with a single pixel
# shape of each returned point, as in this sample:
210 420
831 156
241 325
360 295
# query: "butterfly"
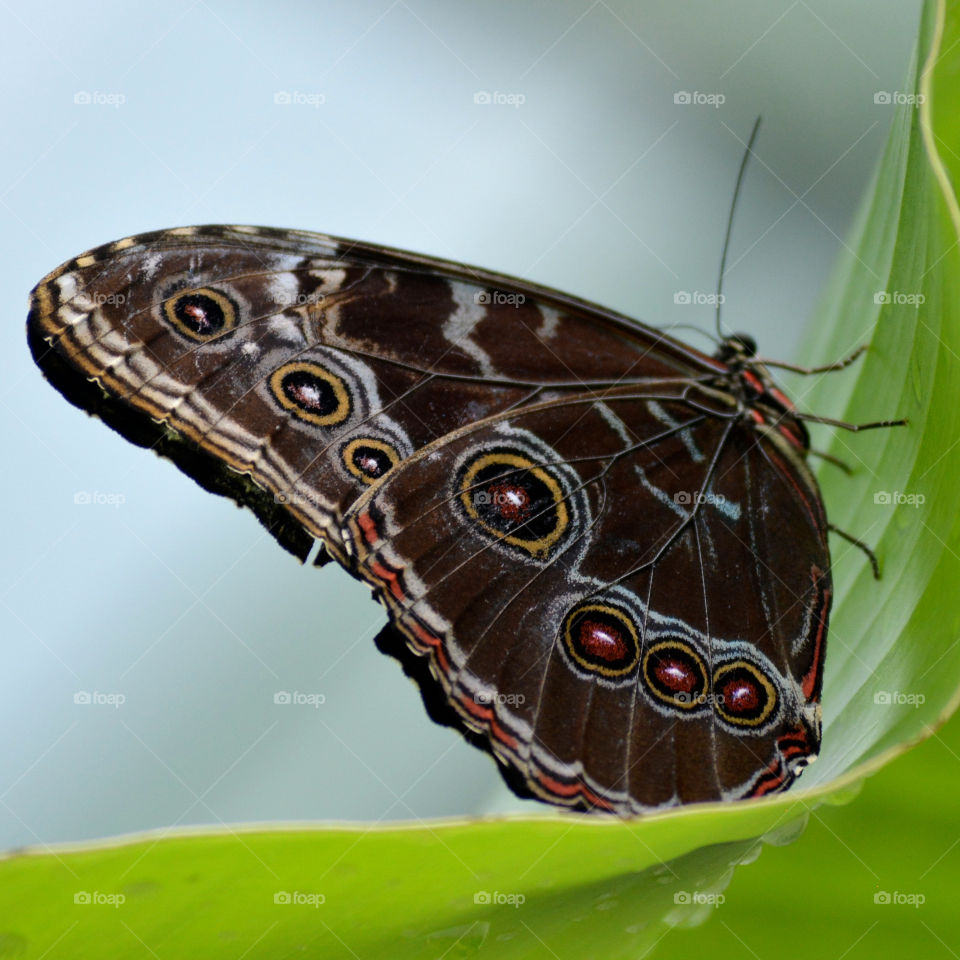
603 554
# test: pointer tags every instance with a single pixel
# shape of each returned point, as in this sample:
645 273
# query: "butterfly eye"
311 393
201 314
514 500
743 695
675 674
601 639
369 458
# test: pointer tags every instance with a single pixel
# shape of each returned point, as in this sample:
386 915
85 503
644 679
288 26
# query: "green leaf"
593 887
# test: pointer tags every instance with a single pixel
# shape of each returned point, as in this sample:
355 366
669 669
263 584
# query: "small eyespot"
743 696
369 458
202 314
311 393
515 500
675 674
601 639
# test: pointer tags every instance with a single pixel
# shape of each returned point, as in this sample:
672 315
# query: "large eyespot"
675 674
311 392
201 314
514 500
601 639
369 458
743 696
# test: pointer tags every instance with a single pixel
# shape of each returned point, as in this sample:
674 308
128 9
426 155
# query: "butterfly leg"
825 368
871 556
854 427
836 461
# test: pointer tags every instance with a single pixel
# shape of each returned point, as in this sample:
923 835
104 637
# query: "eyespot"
369 458
514 500
743 695
601 639
202 314
675 674
311 392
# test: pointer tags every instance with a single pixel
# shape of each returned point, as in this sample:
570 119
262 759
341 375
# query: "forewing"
291 370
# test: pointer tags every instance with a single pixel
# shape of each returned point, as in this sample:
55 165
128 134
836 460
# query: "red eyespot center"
740 696
512 501
306 395
676 675
197 313
602 640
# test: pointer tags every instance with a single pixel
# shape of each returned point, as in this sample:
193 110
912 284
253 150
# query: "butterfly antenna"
733 207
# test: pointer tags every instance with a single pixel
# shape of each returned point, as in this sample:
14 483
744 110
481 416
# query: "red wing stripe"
812 677
389 578
369 528
560 789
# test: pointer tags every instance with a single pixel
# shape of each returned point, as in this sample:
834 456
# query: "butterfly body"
602 552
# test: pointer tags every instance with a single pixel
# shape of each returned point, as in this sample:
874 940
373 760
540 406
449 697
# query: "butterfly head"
737 350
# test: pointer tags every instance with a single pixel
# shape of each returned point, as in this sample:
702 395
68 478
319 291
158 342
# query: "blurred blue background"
369 120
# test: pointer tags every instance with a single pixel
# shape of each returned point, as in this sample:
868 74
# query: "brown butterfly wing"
316 379
605 594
